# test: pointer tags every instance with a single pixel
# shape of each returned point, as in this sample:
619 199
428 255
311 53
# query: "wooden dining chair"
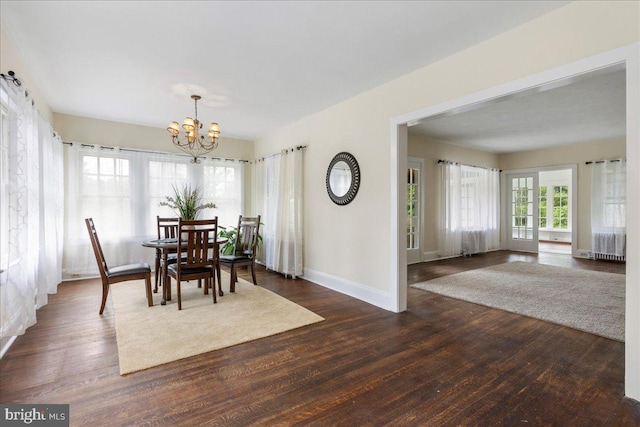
121 273
167 229
196 238
245 249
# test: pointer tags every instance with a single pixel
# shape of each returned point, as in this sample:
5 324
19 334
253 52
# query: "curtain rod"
135 150
286 150
602 161
463 164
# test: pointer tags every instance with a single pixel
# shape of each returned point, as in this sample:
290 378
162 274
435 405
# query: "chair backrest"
167 228
97 249
247 235
196 237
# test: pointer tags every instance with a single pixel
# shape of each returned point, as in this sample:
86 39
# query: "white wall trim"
430 256
348 287
6 344
632 317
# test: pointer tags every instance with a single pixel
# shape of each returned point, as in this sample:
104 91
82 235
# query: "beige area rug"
151 336
590 301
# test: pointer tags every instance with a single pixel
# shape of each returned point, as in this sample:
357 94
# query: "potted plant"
187 202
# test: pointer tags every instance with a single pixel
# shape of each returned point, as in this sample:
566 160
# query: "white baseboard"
430 256
5 343
348 287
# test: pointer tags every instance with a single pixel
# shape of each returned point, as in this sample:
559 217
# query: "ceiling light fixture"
192 143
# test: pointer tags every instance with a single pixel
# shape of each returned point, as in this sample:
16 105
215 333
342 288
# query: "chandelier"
192 143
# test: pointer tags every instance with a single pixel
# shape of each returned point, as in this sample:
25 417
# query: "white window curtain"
277 184
31 223
121 190
608 207
469 206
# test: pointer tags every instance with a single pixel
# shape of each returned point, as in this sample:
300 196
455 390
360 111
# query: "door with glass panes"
522 210
414 211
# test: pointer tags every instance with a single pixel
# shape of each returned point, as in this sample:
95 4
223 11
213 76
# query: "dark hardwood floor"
444 362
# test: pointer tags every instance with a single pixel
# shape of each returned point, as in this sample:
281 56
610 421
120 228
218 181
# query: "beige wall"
11 61
566 155
430 151
117 134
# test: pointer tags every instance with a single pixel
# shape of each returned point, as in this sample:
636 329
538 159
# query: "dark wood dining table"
168 246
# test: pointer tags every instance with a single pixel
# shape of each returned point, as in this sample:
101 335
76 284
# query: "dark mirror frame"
355 178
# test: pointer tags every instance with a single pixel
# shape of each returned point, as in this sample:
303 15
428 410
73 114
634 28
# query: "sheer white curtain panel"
449 230
278 198
469 209
608 207
31 249
101 184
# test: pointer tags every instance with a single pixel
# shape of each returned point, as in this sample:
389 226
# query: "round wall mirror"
343 178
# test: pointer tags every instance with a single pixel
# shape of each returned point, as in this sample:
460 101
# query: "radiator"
608 257
608 246
473 242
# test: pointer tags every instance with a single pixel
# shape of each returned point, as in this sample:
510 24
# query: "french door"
522 208
414 211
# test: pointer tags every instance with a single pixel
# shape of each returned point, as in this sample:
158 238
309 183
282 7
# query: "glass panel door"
522 233
414 214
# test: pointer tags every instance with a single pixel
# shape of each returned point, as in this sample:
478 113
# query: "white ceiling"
585 108
258 65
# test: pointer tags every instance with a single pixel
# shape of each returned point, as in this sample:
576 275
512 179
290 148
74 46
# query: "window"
106 193
222 186
561 207
542 205
614 200
164 175
121 190
553 207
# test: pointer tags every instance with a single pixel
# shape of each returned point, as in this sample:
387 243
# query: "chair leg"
212 280
232 279
253 274
179 296
219 280
147 280
105 292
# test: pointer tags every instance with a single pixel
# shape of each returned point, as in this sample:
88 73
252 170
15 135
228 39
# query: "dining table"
170 245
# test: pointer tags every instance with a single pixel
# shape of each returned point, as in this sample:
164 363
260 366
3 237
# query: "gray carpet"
590 301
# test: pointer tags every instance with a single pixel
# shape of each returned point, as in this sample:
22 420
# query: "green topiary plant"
186 203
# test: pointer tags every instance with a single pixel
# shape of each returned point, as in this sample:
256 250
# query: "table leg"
166 293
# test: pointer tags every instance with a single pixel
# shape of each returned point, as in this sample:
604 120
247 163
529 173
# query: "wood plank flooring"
444 362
